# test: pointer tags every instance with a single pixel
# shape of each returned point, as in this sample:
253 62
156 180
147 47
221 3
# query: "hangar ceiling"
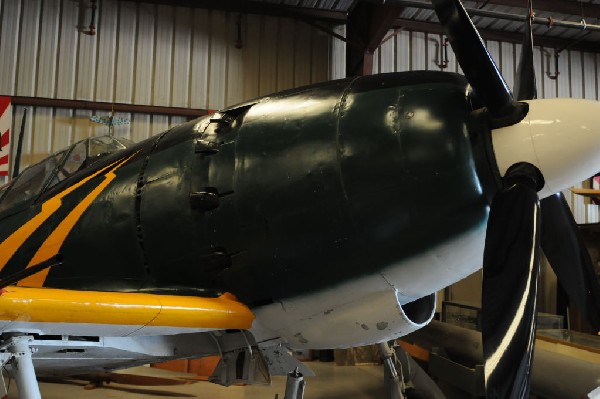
562 24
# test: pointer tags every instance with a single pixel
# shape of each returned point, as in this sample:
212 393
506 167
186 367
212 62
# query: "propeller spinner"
539 145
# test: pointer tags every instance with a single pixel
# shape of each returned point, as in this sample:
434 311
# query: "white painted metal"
140 127
177 120
546 81
559 136
91 329
11 15
163 56
181 57
199 67
285 55
564 79
338 54
144 62
494 49
386 57
168 56
217 81
267 58
434 57
27 48
589 76
107 44
578 205
592 215
62 128
418 51
22 367
403 44
86 67
302 52
251 61
56 357
369 310
235 62
160 123
576 74
67 53
41 143
320 51
126 44
82 127
46 65
507 63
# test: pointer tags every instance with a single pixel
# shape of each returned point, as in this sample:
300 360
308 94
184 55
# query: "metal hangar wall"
143 54
163 56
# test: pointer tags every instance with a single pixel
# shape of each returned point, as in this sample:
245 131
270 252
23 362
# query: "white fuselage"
370 309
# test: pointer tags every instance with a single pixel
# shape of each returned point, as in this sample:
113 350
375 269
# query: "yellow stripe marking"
12 243
52 244
49 305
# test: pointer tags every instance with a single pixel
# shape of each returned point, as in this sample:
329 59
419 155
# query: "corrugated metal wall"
144 54
173 56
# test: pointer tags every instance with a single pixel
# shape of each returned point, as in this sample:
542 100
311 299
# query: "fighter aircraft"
320 217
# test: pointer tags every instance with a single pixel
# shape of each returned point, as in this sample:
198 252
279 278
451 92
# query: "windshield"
54 169
103 145
30 183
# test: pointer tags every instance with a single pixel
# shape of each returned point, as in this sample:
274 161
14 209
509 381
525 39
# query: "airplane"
326 216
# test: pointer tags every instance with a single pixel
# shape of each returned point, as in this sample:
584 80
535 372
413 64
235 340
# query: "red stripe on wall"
4 139
4 160
4 103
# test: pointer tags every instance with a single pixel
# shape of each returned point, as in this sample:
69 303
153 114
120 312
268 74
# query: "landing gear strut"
394 383
18 353
294 387
404 378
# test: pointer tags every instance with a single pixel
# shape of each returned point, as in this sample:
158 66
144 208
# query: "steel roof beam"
574 8
367 25
512 37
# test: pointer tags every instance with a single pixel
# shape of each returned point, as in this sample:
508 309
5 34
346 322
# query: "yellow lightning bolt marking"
52 245
12 243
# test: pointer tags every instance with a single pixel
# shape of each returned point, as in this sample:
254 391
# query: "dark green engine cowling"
287 194
346 180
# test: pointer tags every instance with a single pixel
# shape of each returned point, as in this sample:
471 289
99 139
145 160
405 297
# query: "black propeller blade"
525 86
561 239
510 277
563 245
476 62
511 258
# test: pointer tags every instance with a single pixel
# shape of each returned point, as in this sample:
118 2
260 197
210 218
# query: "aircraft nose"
559 136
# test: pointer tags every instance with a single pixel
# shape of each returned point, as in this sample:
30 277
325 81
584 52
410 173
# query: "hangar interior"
157 64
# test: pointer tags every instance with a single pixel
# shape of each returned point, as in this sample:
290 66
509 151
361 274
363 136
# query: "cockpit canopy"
39 177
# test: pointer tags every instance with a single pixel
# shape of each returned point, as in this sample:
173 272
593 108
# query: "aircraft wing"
74 331
49 311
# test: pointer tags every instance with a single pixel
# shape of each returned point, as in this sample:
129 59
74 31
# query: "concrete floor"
331 382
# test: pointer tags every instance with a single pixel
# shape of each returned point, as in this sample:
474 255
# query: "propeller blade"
525 86
563 245
510 275
476 62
